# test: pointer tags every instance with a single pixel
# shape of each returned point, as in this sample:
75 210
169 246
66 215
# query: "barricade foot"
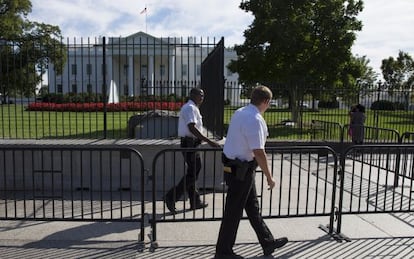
339 237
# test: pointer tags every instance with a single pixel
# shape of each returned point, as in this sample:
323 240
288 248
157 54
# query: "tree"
301 44
26 48
399 73
356 79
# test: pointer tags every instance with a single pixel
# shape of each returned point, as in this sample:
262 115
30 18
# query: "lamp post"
380 87
376 115
2 42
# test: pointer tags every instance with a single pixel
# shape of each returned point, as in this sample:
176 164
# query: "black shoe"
277 243
229 256
169 201
198 206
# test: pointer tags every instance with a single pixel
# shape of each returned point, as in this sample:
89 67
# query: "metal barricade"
374 135
370 180
407 137
306 178
72 183
326 131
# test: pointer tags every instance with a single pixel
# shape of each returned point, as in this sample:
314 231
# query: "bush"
399 106
112 107
383 105
328 104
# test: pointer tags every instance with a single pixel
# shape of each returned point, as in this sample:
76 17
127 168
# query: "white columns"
172 74
131 75
108 69
151 75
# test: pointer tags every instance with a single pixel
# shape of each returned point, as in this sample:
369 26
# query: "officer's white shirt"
189 113
247 131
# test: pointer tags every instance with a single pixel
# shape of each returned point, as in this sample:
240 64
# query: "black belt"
190 142
189 138
227 161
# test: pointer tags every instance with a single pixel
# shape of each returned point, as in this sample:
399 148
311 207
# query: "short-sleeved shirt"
247 131
189 113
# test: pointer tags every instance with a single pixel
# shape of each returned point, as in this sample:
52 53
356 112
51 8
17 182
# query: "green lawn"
18 123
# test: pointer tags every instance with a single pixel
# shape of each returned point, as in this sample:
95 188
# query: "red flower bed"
111 107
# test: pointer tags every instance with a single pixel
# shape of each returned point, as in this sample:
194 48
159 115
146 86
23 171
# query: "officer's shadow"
89 233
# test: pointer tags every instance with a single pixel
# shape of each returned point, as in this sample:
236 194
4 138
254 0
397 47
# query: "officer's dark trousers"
188 181
241 195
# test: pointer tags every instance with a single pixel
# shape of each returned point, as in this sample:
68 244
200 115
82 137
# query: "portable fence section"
407 137
368 180
305 178
305 182
375 135
326 131
72 183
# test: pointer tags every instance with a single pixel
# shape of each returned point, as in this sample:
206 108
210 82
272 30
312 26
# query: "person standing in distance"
190 129
244 150
356 124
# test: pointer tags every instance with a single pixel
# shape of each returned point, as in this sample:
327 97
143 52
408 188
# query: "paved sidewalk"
372 236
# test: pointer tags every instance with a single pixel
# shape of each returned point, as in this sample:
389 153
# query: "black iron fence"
376 179
407 137
371 179
70 183
306 178
107 184
93 87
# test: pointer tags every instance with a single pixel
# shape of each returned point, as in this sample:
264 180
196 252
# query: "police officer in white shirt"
190 129
243 151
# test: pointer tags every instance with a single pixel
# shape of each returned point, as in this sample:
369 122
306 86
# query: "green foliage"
384 105
95 98
299 44
71 98
293 41
26 48
328 104
399 73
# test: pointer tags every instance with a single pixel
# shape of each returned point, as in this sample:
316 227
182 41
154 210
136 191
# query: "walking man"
243 151
190 129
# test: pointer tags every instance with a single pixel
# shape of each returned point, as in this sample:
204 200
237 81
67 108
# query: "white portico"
138 65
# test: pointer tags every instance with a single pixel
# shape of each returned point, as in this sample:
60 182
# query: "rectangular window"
198 70
229 73
89 88
74 88
89 69
125 70
126 90
184 69
73 69
162 70
103 69
144 71
59 88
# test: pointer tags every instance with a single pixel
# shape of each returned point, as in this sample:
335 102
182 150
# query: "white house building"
139 64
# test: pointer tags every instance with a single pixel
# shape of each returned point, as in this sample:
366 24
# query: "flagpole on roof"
145 11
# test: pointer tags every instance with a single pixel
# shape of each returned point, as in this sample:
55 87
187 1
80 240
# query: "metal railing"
108 184
371 180
375 135
306 180
327 131
67 183
407 137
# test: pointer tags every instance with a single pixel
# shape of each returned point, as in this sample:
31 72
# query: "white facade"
139 64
